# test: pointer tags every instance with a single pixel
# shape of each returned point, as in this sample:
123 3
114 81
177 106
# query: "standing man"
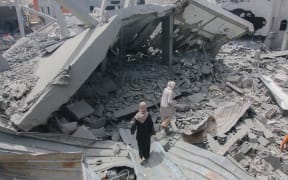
142 121
167 110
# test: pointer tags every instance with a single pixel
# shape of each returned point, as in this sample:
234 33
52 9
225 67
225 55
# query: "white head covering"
142 114
171 84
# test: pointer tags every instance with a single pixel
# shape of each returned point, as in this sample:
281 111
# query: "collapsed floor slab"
74 62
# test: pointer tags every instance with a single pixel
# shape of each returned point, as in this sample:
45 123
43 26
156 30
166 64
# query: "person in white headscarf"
167 109
142 121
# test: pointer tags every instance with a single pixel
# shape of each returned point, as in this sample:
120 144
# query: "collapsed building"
83 86
271 23
59 82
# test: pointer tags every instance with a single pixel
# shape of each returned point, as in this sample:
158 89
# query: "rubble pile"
116 93
19 79
22 57
221 103
27 47
254 141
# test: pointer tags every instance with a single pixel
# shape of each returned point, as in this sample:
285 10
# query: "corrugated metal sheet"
97 153
198 163
158 165
56 166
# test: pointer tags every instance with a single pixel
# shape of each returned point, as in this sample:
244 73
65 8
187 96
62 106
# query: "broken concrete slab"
214 16
238 136
274 161
73 56
129 110
252 137
68 128
213 144
271 113
233 79
4 65
239 156
80 11
95 122
80 109
53 47
245 148
182 107
257 132
228 115
244 163
264 142
84 132
101 87
196 98
267 133
280 96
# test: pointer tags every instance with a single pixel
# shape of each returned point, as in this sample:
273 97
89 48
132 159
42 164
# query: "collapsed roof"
62 73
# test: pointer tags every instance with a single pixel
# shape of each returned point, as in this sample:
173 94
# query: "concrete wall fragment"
91 48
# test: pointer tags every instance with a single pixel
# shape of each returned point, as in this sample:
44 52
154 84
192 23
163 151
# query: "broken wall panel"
202 23
228 115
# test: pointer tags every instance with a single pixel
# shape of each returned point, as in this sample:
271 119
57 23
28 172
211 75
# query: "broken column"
167 39
20 18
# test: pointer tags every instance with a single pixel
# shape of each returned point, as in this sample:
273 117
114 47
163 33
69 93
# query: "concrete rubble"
82 91
28 112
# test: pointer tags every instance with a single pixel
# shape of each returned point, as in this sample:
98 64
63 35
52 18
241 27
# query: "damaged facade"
72 87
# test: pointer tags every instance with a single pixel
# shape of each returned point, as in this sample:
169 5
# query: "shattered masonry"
75 95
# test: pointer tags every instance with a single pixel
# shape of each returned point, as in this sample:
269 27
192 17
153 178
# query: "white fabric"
167 97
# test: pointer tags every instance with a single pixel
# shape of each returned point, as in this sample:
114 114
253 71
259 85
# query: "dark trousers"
144 147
